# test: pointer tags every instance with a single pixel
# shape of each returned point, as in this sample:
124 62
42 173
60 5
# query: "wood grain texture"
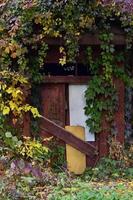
53 102
54 129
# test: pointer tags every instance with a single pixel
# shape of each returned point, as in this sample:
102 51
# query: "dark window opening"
66 70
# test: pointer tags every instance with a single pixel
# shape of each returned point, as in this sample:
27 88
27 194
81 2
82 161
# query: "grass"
110 180
94 191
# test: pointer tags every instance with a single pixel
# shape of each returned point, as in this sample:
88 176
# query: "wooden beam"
67 79
91 39
68 138
88 39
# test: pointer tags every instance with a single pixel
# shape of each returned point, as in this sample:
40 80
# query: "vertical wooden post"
102 138
76 161
120 114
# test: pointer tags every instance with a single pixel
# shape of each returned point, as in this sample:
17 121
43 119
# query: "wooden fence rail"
59 132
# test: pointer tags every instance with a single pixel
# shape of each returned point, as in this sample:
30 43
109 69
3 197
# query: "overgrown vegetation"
109 180
29 170
25 163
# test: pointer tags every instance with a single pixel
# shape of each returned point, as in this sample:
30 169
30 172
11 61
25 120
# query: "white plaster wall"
76 107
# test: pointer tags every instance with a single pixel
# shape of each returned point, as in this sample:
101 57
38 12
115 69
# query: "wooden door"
53 102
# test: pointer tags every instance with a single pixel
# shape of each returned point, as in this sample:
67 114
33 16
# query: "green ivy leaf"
8 134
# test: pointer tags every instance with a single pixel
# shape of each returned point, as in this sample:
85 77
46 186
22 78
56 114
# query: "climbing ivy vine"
101 98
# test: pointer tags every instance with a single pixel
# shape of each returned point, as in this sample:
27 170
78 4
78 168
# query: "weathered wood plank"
68 138
53 102
67 79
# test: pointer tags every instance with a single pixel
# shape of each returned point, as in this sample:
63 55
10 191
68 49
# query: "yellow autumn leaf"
62 61
7 50
6 110
61 49
3 86
16 93
27 108
12 105
10 90
56 34
23 79
35 112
